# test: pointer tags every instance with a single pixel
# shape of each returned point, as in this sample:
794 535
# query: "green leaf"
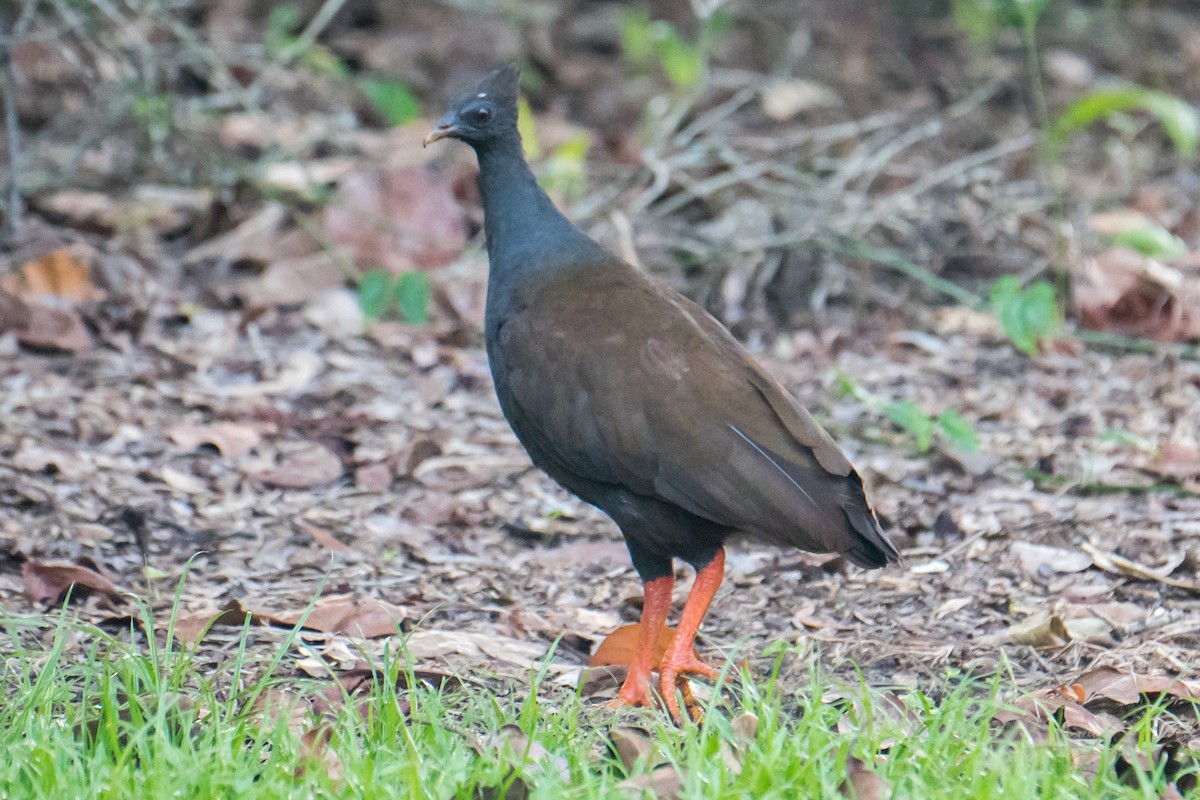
1029 316
374 290
412 297
528 130
282 23
393 99
1179 120
909 417
682 61
958 431
1151 240
637 37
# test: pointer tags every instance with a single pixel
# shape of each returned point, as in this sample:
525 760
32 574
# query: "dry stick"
310 33
952 170
8 43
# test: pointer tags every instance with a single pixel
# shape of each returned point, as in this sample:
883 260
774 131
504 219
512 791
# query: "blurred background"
772 158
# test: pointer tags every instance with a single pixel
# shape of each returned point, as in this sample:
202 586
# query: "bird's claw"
672 679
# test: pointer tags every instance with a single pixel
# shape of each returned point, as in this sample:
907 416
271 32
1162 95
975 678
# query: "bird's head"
486 114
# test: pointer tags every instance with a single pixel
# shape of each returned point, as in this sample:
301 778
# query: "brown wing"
663 401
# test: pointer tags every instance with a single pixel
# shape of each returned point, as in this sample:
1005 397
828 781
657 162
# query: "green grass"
116 717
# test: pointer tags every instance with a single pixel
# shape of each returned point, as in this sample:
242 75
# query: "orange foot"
672 678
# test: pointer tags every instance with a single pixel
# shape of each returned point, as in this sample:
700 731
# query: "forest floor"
200 428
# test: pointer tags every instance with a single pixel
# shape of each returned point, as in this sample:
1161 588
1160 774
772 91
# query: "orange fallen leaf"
59 274
619 647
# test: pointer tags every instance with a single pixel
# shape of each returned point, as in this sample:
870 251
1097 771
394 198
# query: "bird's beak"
443 130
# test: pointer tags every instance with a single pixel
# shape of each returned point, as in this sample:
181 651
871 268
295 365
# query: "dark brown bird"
642 404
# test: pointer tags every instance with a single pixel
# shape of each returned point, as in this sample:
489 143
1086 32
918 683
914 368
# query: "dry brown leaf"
1123 291
1034 557
1177 461
40 327
745 729
1127 688
308 466
292 280
401 219
191 628
619 647
373 477
1111 562
232 439
863 784
367 618
632 745
35 458
47 582
1053 704
326 539
664 783
1043 629
59 274
314 748
784 99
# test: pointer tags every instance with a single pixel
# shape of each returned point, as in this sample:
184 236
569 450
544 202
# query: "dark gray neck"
525 232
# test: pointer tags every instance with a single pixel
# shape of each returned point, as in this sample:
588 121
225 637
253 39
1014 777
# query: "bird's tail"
871 548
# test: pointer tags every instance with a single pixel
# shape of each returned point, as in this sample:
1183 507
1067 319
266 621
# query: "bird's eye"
481 116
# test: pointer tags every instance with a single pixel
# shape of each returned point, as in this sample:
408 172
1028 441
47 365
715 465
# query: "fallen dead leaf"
47 582
367 618
1034 557
1127 688
315 749
232 439
1037 711
1043 629
619 647
784 99
40 327
664 783
191 628
57 275
402 218
326 539
863 784
632 746
306 467
1123 291
1177 461
1111 562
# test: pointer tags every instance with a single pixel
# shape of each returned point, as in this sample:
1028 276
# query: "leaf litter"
237 428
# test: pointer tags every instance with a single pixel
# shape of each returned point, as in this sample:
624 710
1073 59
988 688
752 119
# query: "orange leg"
681 658
636 689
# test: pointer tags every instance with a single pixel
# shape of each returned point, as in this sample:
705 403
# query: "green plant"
912 419
650 44
1153 241
393 99
408 293
1178 119
564 172
1030 315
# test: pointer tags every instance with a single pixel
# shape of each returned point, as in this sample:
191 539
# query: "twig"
12 131
1133 344
308 36
950 171
894 261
